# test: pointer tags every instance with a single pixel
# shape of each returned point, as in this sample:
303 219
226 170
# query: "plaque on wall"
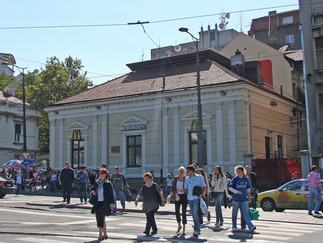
115 149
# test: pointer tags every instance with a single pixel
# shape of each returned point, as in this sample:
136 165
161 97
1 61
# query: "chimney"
238 63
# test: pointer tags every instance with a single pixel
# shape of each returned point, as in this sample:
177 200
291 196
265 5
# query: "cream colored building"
11 128
255 50
144 120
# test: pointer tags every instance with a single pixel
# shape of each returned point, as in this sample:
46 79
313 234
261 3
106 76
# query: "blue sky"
105 51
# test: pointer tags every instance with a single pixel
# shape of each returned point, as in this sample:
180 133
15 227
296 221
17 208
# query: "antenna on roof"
223 18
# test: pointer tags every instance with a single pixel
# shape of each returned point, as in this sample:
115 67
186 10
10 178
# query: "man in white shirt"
192 181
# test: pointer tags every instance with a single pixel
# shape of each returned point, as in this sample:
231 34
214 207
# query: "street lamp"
11 61
199 105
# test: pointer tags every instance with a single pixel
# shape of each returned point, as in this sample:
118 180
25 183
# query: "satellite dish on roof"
168 52
221 26
177 48
227 15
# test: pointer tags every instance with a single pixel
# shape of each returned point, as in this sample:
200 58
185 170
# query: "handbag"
254 214
93 199
203 207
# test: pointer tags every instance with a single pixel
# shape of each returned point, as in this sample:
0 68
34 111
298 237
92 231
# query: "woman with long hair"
219 186
201 172
152 198
178 188
102 189
240 186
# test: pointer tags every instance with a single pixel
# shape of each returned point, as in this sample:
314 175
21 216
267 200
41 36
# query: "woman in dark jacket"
178 188
153 197
102 190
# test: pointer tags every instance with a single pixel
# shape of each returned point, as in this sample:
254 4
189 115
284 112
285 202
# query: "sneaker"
318 213
253 229
85 202
234 229
310 214
153 232
195 234
146 233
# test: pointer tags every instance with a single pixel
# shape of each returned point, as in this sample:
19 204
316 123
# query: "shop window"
193 136
134 151
17 132
77 153
319 53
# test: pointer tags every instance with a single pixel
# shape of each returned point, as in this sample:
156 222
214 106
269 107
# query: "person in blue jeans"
83 178
315 188
191 181
240 187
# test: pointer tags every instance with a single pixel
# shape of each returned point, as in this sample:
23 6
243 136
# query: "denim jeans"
314 193
18 188
244 210
53 186
121 197
194 208
217 202
83 192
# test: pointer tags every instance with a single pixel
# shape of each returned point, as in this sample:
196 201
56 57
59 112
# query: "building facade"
277 29
11 128
311 17
146 120
208 39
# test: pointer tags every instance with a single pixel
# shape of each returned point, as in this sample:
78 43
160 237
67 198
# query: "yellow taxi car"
292 195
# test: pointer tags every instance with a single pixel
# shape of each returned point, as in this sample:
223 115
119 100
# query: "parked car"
292 195
6 187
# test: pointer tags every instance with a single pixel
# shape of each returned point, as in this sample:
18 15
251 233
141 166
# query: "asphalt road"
47 219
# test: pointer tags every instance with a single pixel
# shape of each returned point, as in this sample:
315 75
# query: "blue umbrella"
28 163
15 163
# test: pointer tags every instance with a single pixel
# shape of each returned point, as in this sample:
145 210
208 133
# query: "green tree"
5 80
57 81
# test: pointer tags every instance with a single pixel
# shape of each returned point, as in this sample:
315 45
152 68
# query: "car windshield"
293 186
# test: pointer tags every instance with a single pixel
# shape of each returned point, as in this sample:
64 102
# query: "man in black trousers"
254 186
66 180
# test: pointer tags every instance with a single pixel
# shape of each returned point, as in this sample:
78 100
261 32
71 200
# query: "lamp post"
199 105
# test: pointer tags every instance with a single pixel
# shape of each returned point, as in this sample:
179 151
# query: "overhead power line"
148 22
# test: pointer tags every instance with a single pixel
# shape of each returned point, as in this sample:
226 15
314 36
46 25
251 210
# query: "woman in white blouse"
219 185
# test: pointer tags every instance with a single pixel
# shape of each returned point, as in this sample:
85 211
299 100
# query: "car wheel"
279 210
267 204
2 195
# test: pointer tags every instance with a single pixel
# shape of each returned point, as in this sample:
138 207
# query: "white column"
232 132
52 143
94 141
143 152
176 136
186 145
69 149
248 126
104 146
165 140
124 150
61 143
219 133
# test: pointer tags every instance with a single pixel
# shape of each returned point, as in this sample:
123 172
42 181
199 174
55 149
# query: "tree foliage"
5 80
57 81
